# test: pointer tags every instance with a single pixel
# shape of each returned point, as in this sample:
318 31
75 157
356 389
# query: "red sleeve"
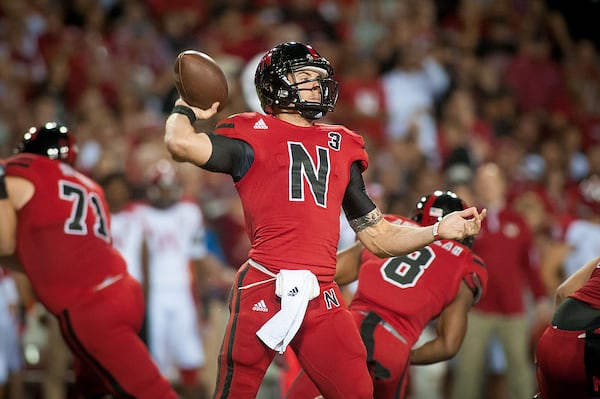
225 126
22 165
476 278
362 155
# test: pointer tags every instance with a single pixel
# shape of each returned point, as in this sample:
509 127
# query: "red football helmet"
433 207
275 89
164 185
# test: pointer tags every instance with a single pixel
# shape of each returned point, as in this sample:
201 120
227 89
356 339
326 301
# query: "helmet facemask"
278 90
309 109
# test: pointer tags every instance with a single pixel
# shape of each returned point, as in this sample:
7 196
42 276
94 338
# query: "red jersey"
63 232
590 291
292 194
409 291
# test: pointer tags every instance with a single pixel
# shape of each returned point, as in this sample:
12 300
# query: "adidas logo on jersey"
260 306
260 125
293 292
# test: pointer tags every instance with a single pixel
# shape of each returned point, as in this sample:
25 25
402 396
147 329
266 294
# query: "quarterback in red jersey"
397 297
568 353
55 220
293 176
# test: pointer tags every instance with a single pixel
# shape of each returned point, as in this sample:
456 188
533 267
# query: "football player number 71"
82 201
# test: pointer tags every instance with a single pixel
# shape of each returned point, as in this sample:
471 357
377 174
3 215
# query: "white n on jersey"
174 237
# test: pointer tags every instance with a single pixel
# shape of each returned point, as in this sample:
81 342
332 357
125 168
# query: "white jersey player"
584 237
128 238
10 354
126 227
174 234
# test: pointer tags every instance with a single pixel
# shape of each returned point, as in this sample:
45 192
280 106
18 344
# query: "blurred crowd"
437 88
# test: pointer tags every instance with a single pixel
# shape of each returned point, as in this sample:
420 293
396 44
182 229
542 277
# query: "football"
199 80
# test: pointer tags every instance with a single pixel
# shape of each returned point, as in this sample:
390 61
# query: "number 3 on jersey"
81 201
405 271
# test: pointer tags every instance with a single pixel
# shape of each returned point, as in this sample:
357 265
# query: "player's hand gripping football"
461 224
201 114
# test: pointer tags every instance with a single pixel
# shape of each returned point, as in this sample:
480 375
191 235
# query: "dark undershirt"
573 314
235 157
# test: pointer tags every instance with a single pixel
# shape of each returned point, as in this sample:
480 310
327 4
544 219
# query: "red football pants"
388 362
560 364
327 345
101 330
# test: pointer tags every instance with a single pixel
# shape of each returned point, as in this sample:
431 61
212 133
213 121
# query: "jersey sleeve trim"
475 285
225 125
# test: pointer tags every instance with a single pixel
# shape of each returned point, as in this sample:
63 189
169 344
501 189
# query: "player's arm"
348 264
207 150
451 328
14 193
8 216
385 239
211 271
576 280
552 259
181 140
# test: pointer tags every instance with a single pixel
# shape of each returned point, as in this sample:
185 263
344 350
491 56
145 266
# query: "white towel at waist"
296 288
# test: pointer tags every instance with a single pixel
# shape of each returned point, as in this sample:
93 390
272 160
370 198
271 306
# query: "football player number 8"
405 271
82 201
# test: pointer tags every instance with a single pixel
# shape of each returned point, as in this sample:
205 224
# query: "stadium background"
522 90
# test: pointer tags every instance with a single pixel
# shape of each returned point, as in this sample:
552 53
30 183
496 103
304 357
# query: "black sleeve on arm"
230 156
357 202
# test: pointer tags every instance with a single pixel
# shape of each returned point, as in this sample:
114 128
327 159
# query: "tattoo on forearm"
363 222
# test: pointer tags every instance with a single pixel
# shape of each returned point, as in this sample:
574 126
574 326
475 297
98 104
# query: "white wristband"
436 234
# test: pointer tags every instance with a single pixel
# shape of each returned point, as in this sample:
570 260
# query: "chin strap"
312 114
